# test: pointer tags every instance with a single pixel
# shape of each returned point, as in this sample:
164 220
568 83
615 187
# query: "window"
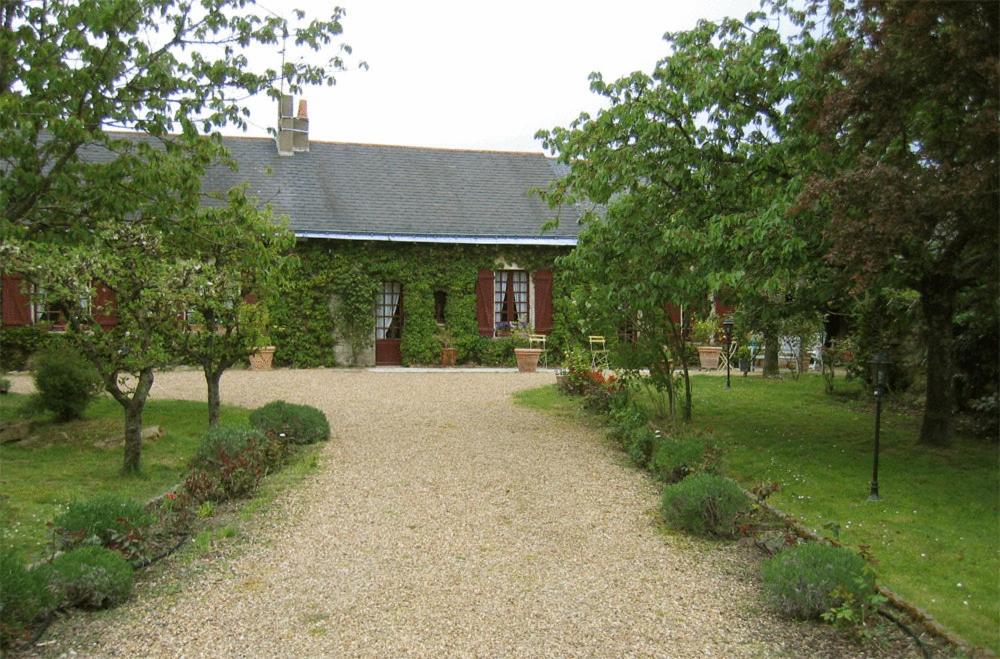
440 302
389 313
510 299
41 311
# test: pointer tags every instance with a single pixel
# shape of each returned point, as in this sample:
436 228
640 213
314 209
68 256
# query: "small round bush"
24 597
225 441
66 382
810 579
677 457
110 520
90 577
705 504
298 424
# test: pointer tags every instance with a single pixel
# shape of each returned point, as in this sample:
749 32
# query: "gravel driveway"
445 520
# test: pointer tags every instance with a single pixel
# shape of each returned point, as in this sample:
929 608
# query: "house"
437 237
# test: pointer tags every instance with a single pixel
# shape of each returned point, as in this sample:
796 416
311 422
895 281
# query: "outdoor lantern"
727 329
880 364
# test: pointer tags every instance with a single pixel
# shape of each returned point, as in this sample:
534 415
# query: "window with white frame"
43 312
510 299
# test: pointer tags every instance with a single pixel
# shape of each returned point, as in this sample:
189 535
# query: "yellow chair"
538 341
598 352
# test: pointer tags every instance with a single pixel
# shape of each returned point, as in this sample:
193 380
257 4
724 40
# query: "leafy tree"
70 71
912 181
691 171
241 252
151 287
80 204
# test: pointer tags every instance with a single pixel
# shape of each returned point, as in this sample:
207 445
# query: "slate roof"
341 190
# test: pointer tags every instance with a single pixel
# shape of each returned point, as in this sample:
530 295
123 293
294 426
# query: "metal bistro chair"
726 357
598 352
538 341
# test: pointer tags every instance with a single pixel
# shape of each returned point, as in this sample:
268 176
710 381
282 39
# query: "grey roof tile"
371 189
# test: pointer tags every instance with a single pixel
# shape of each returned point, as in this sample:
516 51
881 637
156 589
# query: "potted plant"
449 354
527 358
703 333
263 358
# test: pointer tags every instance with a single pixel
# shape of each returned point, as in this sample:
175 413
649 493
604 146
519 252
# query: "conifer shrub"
705 504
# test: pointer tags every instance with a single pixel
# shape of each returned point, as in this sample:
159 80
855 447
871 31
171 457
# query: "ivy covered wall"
304 323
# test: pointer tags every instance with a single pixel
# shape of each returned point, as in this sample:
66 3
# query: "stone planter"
708 357
262 359
449 356
527 359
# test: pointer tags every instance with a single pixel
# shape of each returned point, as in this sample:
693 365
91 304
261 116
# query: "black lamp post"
727 328
880 366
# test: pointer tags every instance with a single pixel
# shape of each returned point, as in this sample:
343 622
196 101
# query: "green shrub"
705 504
89 577
677 457
298 424
65 381
223 441
626 417
640 445
24 598
18 344
231 462
812 579
110 520
496 351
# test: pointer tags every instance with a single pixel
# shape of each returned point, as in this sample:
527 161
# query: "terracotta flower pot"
527 359
708 356
262 359
449 356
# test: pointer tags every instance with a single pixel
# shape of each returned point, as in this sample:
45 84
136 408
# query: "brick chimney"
293 130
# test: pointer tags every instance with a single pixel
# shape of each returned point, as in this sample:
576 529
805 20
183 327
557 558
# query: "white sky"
482 75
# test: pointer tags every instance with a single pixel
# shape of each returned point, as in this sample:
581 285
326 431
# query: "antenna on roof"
284 42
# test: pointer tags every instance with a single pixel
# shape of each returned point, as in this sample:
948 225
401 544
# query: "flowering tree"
241 252
150 289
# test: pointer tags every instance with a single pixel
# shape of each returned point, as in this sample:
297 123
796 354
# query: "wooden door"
389 324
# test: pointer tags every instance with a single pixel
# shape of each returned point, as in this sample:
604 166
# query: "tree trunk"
133 421
133 439
938 304
212 378
771 347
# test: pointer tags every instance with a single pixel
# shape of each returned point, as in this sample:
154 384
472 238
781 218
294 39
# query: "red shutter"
104 306
543 301
484 302
16 306
674 312
721 308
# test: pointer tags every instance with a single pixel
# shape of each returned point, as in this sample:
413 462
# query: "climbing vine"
329 294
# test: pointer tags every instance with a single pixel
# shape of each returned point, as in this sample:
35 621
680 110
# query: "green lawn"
61 463
936 531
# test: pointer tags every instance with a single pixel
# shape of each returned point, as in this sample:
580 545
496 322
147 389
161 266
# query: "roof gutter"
453 240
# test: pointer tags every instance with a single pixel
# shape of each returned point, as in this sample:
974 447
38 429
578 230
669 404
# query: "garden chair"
538 341
598 352
726 357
